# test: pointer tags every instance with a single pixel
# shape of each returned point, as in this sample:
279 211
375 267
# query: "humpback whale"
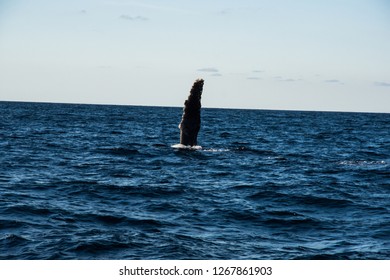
190 122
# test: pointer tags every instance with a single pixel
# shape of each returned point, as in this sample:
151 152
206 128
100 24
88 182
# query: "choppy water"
103 182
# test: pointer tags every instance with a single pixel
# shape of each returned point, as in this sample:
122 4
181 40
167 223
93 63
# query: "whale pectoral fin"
190 123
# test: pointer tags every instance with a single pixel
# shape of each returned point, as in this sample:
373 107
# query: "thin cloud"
209 69
224 12
141 4
257 71
334 82
216 75
133 18
281 79
253 78
382 84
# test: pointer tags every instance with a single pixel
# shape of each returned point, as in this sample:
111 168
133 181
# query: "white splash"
212 150
181 146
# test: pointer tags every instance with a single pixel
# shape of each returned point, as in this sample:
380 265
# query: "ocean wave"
123 151
10 224
254 151
363 162
12 240
295 223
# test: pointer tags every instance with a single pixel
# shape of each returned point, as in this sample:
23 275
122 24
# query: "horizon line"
203 107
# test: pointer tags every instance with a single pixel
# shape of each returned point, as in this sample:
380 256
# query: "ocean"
106 182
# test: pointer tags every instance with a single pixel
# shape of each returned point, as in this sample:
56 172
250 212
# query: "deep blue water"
103 182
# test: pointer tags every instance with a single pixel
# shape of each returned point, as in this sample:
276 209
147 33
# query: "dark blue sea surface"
103 182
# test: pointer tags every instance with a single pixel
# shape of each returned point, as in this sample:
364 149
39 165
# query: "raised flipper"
190 122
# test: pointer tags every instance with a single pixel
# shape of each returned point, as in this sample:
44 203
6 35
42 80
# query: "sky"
331 55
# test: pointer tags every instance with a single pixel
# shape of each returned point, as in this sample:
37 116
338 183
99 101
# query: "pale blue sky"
297 54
